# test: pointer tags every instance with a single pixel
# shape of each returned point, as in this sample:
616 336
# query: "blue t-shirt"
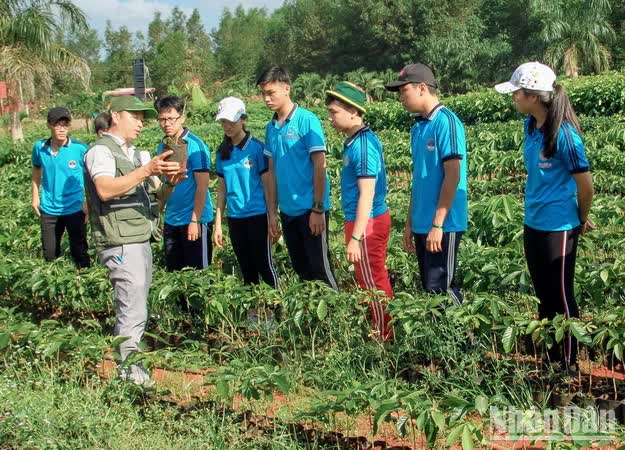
242 172
550 190
179 205
62 181
436 138
363 157
291 146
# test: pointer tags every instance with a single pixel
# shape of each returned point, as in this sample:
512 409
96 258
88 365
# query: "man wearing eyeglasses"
188 210
122 191
58 189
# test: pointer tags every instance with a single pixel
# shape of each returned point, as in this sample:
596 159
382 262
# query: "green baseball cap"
350 94
119 103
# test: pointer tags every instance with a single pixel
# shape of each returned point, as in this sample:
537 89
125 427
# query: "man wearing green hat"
363 197
122 194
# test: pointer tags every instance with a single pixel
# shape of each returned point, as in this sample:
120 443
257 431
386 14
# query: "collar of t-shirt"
350 140
129 151
48 145
241 145
289 117
430 115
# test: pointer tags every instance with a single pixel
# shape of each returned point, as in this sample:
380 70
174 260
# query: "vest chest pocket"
132 222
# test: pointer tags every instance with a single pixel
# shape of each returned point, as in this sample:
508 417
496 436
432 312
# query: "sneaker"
137 374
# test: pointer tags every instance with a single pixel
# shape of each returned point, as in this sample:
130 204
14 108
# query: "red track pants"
371 271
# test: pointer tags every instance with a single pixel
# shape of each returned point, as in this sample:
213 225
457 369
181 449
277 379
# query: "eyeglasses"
61 126
170 120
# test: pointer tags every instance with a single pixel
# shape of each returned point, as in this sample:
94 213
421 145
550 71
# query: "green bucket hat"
119 103
350 94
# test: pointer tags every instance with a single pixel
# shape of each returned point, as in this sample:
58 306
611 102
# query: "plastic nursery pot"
179 147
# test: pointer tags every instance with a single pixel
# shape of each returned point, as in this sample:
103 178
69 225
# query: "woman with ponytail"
558 195
244 190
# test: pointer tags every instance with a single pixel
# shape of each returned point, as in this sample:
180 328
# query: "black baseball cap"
58 113
413 73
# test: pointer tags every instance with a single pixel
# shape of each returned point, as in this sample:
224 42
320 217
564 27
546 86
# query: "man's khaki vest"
128 219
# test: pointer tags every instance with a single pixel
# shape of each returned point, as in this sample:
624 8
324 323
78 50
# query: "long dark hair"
102 122
226 146
559 110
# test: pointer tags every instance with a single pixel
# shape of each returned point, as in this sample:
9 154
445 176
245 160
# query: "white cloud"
137 14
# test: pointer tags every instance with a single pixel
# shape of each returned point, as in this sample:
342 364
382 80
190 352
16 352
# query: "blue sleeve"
159 148
262 162
365 158
198 155
268 151
450 138
314 140
571 149
36 157
219 170
83 152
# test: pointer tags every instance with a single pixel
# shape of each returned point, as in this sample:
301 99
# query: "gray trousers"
130 272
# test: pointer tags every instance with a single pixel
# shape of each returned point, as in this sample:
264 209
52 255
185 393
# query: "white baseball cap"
532 75
230 109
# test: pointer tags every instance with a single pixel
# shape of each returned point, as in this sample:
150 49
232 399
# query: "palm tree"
29 53
368 81
575 33
309 87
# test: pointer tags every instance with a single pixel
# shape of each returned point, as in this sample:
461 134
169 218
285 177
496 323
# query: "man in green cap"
363 198
122 192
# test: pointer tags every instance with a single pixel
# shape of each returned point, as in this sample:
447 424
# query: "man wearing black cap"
58 189
437 215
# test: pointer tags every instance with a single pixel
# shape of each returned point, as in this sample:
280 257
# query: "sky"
136 14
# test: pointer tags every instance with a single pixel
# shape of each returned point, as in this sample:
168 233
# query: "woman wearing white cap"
558 194
243 190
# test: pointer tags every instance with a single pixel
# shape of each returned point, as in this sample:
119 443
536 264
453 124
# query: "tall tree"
178 54
618 23
156 30
391 32
177 20
575 33
467 55
199 55
29 52
86 45
195 29
169 66
303 35
118 45
239 41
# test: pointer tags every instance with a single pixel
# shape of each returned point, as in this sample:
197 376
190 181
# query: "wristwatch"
317 207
